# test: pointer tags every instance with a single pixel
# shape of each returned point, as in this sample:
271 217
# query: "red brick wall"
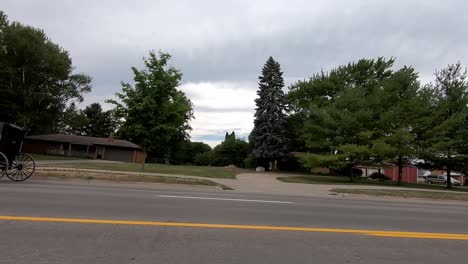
138 156
410 174
35 148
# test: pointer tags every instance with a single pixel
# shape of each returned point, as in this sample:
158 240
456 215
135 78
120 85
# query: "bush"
231 151
379 176
250 162
204 159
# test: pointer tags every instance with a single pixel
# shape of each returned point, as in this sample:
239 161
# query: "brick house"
82 146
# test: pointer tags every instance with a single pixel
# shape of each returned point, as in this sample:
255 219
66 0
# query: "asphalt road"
156 226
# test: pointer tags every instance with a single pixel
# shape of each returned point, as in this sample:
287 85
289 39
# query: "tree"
92 121
341 113
268 136
99 123
445 142
72 121
155 113
402 108
36 78
187 151
232 151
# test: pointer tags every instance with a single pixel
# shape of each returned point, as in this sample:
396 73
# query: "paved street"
71 222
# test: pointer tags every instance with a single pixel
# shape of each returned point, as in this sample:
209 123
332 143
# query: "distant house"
409 173
81 146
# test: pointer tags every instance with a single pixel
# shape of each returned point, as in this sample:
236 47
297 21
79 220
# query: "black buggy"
15 165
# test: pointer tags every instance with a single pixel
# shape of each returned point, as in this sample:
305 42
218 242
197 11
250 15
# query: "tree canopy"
367 112
91 121
155 113
232 151
36 77
444 139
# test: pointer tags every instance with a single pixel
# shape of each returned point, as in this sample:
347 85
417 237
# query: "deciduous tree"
156 114
36 77
445 138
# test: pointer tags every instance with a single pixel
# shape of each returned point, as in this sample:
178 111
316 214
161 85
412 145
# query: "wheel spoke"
27 173
28 169
13 172
24 174
18 174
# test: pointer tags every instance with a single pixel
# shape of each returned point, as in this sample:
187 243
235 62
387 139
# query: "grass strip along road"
201 171
437 195
105 176
378 233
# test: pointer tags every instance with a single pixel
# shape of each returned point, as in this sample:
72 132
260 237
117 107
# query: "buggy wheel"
21 168
3 164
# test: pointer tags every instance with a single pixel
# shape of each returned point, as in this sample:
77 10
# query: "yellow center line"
379 233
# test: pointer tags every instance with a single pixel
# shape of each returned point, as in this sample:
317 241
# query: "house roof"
83 140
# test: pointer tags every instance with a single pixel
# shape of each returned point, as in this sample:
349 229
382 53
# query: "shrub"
379 176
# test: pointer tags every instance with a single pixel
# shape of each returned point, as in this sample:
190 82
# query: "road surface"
77 222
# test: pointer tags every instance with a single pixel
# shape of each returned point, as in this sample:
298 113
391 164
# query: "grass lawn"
319 179
458 196
124 178
49 157
202 171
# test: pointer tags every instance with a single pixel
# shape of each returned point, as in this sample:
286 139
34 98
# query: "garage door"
123 155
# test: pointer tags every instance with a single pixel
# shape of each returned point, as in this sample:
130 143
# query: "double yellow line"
379 233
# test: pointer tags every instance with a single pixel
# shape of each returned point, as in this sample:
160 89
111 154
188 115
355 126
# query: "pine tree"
445 140
268 138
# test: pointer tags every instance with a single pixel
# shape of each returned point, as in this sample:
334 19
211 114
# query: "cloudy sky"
220 46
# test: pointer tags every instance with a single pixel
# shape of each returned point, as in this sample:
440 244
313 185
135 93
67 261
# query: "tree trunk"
449 170
143 163
400 170
449 178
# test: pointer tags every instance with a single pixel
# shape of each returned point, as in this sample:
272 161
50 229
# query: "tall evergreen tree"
268 137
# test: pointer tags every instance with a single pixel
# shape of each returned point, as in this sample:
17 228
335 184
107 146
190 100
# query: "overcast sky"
220 46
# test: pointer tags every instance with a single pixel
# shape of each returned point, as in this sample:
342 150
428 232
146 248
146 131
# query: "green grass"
458 196
202 171
49 157
89 176
319 179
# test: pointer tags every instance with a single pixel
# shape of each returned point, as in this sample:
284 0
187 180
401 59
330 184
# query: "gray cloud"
227 42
